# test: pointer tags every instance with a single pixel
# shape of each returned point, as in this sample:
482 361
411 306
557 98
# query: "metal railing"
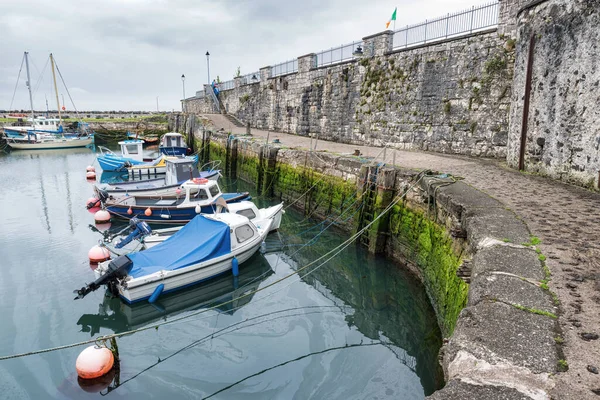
462 22
227 85
283 68
252 77
337 54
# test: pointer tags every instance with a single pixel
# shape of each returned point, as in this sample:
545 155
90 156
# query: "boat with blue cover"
173 144
198 196
206 247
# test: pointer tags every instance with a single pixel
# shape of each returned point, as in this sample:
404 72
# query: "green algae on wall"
429 246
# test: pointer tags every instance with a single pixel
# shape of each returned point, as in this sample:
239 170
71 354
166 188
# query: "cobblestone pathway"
565 218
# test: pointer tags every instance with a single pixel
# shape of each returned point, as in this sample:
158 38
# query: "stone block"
522 262
459 390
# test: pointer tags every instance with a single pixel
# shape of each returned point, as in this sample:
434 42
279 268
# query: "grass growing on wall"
430 248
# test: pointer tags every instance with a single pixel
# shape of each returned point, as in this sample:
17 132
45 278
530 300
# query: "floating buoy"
94 210
198 209
102 216
157 292
92 202
129 211
93 362
90 175
98 254
177 191
90 168
148 212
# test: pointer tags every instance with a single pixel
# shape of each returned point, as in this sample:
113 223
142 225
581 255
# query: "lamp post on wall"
208 65
183 101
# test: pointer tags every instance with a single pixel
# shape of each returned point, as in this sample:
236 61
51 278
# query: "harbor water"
356 327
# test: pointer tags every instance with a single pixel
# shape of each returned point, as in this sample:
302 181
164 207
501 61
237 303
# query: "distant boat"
206 247
173 144
49 142
21 135
148 139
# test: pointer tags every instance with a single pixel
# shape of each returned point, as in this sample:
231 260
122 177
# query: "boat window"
201 195
248 213
214 190
243 233
132 148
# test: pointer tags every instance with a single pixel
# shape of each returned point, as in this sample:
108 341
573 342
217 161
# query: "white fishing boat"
259 217
207 246
38 141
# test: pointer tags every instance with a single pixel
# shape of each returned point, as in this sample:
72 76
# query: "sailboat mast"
56 89
29 87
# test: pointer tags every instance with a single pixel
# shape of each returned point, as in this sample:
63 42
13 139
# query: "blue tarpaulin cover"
199 240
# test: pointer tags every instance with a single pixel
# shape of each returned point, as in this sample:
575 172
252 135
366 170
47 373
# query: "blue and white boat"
173 144
197 196
131 154
206 247
179 170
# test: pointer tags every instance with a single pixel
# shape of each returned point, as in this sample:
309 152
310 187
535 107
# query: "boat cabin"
132 149
242 230
172 139
179 170
46 124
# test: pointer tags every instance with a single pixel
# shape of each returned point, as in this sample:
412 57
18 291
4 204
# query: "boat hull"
173 151
58 144
169 215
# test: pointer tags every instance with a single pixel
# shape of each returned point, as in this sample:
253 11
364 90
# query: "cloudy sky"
122 55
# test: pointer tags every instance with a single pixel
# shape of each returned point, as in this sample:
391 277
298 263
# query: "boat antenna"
29 87
55 89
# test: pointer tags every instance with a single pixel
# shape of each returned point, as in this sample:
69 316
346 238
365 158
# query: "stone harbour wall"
563 130
485 277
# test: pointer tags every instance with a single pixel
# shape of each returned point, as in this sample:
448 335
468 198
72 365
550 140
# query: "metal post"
447 23
425 32
526 103
208 65
183 101
472 14
156 103
29 88
406 44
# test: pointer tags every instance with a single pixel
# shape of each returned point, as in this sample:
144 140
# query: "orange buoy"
177 191
98 254
90 168
129 211
93 362
148 212
90 175
92 202
102 216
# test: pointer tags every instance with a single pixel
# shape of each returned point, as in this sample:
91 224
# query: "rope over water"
327 256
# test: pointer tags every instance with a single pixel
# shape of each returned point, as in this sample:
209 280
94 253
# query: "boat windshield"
214 190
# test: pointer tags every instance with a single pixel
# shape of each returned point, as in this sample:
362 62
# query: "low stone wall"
501 329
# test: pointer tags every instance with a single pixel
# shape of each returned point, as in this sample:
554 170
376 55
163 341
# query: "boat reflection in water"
120 317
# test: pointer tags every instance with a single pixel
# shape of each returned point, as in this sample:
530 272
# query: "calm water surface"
356 328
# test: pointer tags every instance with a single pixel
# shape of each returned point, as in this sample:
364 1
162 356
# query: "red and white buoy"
129 211
90 168
90 175
148 212
93 362
92 202
98 254
102 217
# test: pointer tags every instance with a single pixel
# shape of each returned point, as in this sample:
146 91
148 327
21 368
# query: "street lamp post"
208 65
183 101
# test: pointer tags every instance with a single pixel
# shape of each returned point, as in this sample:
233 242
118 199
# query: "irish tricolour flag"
387 24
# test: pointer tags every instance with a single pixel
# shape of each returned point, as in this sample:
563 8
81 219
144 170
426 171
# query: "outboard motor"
140 229
102 197
117 269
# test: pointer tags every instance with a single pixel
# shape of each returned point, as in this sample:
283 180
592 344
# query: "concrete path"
564 217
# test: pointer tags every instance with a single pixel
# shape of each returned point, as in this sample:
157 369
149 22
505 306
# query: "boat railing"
211 165
105 150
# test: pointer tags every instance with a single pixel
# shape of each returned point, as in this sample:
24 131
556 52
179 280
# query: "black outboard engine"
140 229
102 197
117 269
